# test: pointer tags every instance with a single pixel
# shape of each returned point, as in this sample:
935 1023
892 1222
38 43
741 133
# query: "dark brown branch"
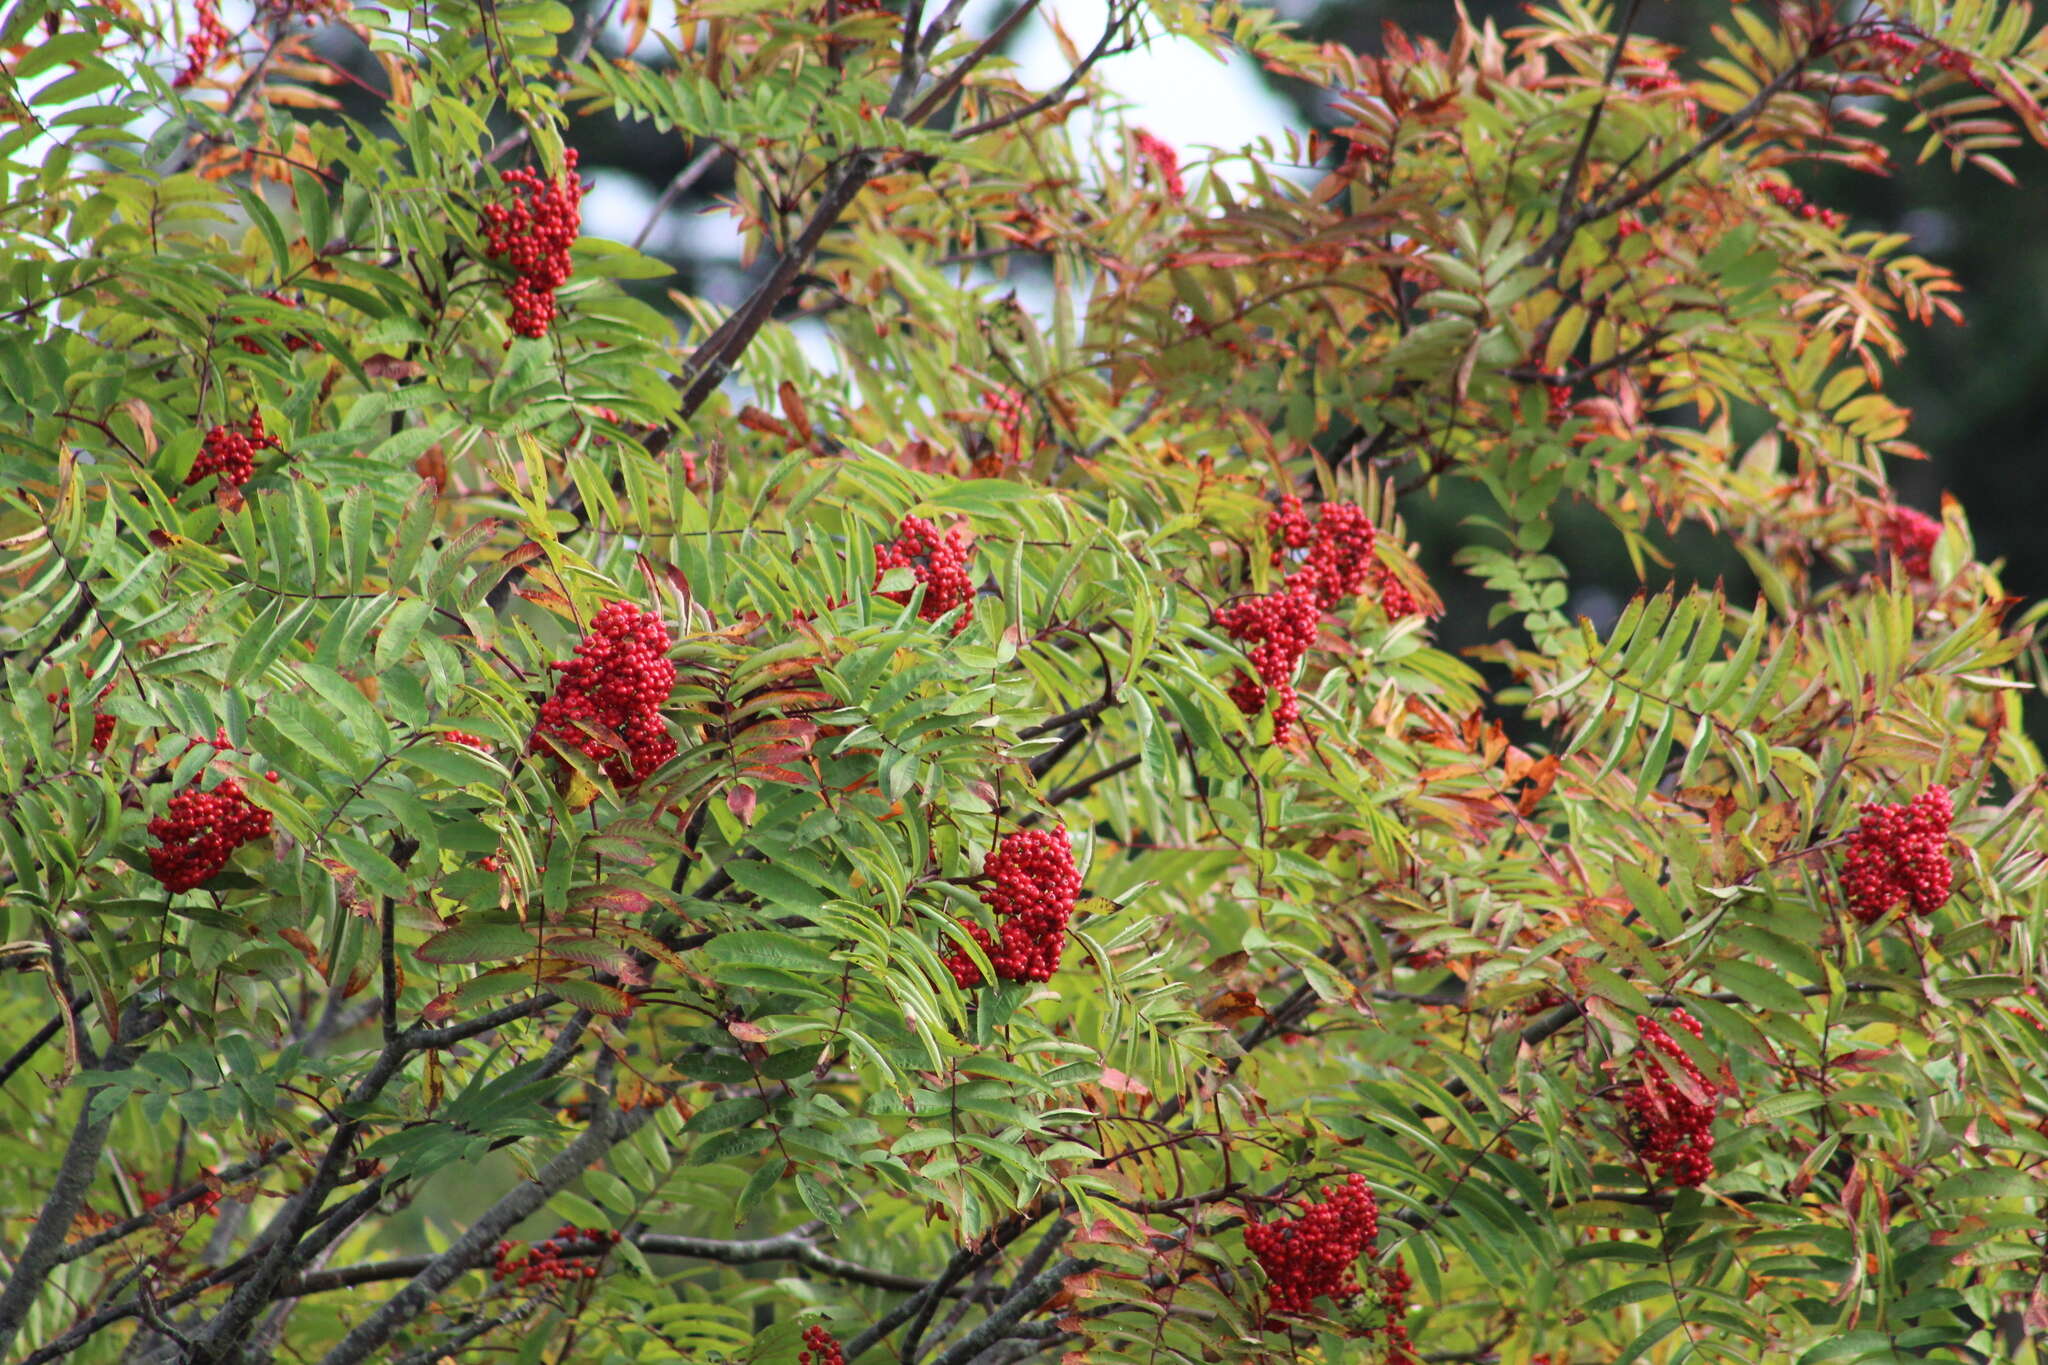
40 1253
610 1127
1568 196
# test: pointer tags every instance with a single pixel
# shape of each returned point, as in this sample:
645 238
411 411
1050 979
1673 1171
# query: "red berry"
821 1348
1900 853
230 451
937 562
1165 160
1310 1256
533 230
201 830
1910 535
618 681
203 43
1336 559
1032 890
1666 1125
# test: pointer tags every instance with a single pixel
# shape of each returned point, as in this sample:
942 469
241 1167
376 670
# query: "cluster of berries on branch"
466 740
201 830
1335 559
204 43
937 562
607 705
1165 160
102 723
1392 1282
820 1348
1311 1256
230 451
1006 405
1900 853
1033 885
1669 1124
1909 534
533 230
1792 200
549 1262
293 341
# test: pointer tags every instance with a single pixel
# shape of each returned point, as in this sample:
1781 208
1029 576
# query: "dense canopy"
923 815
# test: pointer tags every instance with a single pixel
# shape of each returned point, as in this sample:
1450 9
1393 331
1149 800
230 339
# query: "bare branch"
610 1127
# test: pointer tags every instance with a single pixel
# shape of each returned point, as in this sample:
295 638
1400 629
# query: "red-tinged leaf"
793 409
497 981
476 943
383 365
591 952
754 419
307 949
788 777
616 900
2035 1319
1112 1079
741 799
748 1033
653 947
589 995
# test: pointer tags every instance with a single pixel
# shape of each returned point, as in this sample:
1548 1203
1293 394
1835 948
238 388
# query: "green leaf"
477 942
766 948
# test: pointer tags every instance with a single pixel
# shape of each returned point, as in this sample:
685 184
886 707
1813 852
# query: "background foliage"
468 988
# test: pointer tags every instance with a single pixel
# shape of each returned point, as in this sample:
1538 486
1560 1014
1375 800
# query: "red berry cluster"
618 682
102 723
1281 626
1007 407
1790 199
1910 534
1393 1283
1312 1255
533 230
1558 401
820 1348
1165 160
1900 853
293 341
1629 225
1335 554
1033 884
314 10
1665 1124
201 831
230 451
938 562
466 740
547 1263
208 36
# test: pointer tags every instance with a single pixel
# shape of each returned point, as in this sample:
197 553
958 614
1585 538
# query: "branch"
686 177
1570 192
607 1129
39 1039
788 1246
1027 1299
39 1255
1715 136
445 1350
